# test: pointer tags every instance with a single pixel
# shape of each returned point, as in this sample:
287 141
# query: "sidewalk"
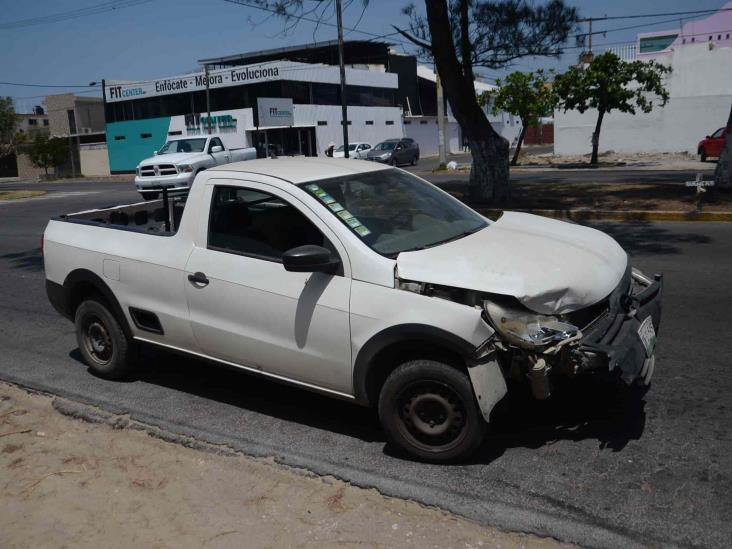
67 482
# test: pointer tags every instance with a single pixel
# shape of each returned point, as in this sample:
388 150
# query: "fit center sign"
275 111
124 91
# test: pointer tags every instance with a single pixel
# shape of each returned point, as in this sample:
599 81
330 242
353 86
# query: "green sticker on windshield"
336 207
345 215
361 230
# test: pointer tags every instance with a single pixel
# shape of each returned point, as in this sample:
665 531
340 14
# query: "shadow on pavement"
580 409
257 394
30 260
644 237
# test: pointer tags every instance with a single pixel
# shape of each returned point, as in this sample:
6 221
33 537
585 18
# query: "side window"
366 146
254 223
719 133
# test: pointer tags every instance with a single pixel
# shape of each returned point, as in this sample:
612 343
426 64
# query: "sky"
157 38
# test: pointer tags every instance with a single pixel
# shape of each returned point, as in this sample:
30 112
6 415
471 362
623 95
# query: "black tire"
149 195
413 161
702 155
428 410
102 342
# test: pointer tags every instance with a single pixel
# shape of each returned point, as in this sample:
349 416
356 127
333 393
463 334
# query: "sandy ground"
610 159
71 483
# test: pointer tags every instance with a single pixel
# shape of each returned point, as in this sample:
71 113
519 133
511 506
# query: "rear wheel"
428 410
102 342
702 155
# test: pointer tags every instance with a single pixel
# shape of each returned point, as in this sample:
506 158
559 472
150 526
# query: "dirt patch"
612 196
13 195
658 161
66 482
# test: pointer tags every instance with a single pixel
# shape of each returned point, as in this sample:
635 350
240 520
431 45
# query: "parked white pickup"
179 160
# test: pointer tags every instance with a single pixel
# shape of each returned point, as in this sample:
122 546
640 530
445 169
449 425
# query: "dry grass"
13 195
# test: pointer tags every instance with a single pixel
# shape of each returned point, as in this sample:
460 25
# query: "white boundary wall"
700 88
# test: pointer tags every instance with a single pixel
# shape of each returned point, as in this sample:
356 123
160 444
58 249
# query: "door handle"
198 279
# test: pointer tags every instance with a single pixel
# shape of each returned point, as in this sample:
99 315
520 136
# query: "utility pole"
590 34
440 121
344 99
208 99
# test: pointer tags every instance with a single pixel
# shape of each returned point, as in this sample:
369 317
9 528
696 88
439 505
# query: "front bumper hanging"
613 341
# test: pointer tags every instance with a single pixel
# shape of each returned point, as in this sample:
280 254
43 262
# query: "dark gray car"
395 152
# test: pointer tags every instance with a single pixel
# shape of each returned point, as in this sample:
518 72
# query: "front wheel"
148 195
428 410
102 342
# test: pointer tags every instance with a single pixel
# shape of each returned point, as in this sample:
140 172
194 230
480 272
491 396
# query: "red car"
712 144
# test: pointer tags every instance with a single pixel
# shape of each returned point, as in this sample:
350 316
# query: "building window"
45 121
72 121
407 122
719 37
683 40
145 135
177 132
693 39
119 137
389 122
349 122
32 122
322 122
727 36
710 38
369 122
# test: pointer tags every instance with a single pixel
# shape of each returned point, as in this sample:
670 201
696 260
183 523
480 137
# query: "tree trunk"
723 173
489 175
516 153
596 137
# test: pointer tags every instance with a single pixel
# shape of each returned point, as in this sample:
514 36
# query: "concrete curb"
622 215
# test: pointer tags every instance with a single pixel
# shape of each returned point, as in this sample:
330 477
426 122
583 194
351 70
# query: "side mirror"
216 149
155 153
309 259
707 137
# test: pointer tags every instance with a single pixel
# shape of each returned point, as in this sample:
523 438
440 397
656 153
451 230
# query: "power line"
48 85
667 14
72 14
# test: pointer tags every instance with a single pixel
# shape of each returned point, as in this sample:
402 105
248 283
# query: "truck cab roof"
303 170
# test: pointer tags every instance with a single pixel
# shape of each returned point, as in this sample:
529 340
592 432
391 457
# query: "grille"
160 169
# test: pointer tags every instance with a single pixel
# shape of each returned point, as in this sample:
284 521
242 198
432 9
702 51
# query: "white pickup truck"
178 162
360 281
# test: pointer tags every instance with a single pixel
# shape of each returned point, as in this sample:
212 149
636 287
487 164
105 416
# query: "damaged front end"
616 334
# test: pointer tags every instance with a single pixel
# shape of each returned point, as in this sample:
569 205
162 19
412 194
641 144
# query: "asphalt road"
587 466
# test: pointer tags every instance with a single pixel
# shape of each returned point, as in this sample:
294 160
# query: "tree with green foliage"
527 95
8 125
460 36
609 84
45 152
464 35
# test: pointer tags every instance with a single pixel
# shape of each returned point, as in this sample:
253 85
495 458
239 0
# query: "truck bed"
159 217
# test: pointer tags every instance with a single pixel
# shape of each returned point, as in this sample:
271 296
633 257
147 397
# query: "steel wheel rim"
97 341
432 416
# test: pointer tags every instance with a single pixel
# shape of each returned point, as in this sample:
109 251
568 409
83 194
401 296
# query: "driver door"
221 157
246 309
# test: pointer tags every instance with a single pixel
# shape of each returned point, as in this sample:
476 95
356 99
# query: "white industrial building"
700 89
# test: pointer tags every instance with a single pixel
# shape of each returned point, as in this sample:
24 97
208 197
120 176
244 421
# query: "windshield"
385 146
183 146
393 211
351 147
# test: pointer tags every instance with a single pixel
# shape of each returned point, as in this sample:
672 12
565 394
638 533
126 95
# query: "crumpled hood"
550 266
172 158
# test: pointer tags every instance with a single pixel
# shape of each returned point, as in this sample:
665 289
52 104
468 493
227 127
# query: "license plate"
647 335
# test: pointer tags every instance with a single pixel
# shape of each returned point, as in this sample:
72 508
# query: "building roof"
423 71
355 52
302 170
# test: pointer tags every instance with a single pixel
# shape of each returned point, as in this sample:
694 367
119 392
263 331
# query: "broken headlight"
527 329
